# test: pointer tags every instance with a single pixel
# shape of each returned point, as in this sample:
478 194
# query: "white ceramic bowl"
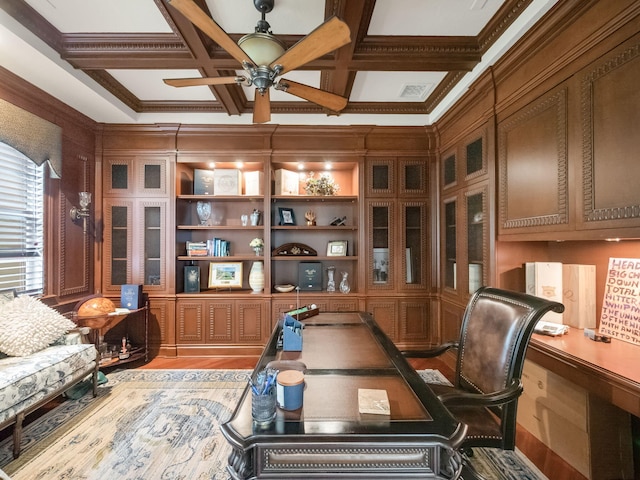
284 288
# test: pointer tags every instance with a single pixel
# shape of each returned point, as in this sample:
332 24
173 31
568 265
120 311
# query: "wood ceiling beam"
230 98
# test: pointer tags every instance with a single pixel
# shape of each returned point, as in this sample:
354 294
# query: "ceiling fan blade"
320 97
332 34
261 107
192 82
205 23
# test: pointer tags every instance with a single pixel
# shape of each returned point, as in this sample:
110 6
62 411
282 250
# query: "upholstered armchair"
496 330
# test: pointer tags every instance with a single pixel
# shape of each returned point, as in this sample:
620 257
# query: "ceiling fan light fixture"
262 48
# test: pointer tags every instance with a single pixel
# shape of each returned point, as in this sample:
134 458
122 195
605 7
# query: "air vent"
415 91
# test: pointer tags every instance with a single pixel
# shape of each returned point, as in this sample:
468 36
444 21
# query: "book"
131 296
191 279
197 249
202 182
373 401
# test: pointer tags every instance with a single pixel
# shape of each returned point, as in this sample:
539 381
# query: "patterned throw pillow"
27 325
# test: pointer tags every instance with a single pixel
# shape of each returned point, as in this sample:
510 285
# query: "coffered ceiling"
407 63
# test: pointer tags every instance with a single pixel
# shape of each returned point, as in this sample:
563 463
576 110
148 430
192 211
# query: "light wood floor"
547 462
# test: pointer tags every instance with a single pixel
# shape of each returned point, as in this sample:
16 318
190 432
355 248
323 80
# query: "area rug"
161 425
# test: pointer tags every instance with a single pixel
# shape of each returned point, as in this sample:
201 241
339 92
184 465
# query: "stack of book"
197 249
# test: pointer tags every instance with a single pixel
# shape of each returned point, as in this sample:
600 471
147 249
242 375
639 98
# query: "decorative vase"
256 277
255 218
331 283
344 283
203 209
258 251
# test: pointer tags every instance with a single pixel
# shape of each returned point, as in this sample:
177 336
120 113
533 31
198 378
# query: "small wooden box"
579 295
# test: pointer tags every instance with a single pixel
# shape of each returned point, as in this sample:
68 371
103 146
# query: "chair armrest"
77 335
460 398
432 352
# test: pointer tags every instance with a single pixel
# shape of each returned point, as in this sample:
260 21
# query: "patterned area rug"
161 424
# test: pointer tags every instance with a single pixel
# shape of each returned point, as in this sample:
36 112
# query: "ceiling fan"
264 58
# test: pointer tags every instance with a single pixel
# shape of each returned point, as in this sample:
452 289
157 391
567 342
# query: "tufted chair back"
496 329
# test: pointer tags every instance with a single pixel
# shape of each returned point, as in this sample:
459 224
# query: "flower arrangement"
324 185
257 244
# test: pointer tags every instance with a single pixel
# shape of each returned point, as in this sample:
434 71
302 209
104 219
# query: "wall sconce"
82 212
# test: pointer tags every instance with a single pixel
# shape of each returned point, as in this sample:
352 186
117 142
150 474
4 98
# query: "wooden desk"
609 370
328 438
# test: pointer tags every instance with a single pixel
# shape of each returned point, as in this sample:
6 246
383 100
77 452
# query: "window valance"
38 139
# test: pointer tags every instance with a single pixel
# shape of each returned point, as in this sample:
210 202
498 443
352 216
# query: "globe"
96 312
96 307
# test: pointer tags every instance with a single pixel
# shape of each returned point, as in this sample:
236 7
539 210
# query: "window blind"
21 222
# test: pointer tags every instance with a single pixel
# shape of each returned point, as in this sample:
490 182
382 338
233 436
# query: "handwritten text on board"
620 317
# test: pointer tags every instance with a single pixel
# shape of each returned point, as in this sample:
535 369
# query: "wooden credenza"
578 399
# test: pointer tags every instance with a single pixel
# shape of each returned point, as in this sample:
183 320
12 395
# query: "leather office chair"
496 329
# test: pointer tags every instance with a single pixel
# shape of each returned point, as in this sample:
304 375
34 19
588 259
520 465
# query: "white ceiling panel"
90 16
387 86
290 17
432 17
149 84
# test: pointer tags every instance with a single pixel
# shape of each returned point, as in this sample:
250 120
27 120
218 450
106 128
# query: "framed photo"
380 265
286 216
337 248
225 275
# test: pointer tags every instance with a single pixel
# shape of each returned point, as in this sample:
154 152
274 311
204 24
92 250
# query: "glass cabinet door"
450 247
381 262
475 220
415 243
118 227
153 268
123 240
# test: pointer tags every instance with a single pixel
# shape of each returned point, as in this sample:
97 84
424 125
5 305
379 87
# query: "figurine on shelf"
124 351
310 216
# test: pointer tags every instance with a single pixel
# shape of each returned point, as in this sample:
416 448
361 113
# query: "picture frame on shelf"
337 248
287 217
225 275
380 265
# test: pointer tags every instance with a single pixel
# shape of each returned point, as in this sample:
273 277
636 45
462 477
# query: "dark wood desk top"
609 370
343 352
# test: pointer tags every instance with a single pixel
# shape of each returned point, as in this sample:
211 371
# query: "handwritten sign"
620 317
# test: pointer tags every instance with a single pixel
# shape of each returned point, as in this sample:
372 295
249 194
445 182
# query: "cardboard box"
202 182
227 181
254 183
579 295
286 182
544 279
310 276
